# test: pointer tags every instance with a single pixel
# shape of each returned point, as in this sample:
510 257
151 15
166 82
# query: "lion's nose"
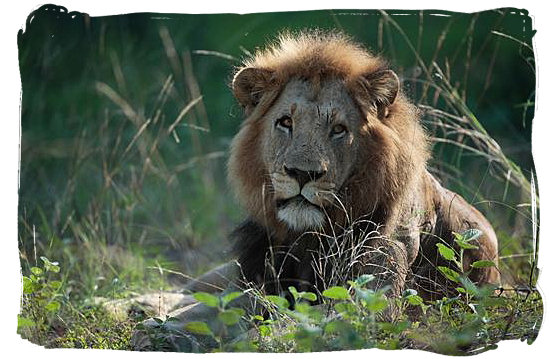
302 176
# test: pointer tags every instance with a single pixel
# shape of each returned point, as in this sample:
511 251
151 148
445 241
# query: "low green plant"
41 299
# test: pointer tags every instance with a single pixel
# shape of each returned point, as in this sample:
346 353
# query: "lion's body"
371 177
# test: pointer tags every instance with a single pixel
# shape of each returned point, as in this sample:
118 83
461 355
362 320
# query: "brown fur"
389 184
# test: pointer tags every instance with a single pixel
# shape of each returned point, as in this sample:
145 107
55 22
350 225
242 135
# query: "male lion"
330 164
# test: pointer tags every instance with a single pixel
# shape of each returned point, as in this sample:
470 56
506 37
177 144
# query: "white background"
13 18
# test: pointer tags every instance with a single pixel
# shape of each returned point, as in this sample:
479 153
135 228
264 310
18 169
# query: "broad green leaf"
302 295
294 292
50 266
36 271
312 297
207 299
449 273
336 292
278 301
200 328
231 316
446 252
458 236
414 300
465 245
302 307
345 308
483 264
265 330
55 284
376 303
230 297
28 286
52 306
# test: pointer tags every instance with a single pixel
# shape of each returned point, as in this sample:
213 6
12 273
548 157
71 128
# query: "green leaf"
449 273
414 300
50 266
446 252
28 286
278 301
458 236
265 330
483 264
376 303
52 306
302 295
465 245
200 328
345 308
36 271
302 307
231 316
55 284
230 297
207 299
336 292
312 297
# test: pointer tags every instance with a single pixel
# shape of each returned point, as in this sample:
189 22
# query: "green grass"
123 180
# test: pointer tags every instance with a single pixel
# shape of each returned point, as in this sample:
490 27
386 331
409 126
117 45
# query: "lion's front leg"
387 260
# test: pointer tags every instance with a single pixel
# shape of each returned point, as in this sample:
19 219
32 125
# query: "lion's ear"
381 87
249 84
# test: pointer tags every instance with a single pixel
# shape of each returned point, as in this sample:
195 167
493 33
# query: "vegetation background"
126 121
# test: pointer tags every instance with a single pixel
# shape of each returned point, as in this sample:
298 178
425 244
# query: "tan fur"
397 146
389 182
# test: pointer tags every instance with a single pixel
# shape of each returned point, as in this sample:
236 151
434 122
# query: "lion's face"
310 145
320 143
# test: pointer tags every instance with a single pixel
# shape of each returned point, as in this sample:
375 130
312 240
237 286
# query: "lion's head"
328 137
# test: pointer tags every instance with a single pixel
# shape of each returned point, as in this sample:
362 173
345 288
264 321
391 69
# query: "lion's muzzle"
301 198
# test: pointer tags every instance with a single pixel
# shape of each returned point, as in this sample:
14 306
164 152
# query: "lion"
332 154
330 139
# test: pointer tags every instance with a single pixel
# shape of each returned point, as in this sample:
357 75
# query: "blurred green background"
126 122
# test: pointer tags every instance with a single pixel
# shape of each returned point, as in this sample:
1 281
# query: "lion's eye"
284 123
338 130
